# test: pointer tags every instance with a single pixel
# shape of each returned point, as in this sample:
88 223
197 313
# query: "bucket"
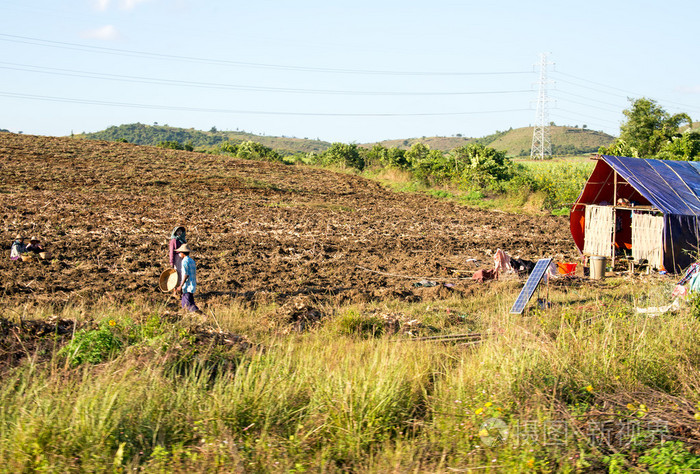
566 268
597 268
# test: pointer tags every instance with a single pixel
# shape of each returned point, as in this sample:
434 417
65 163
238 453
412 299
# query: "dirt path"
261 232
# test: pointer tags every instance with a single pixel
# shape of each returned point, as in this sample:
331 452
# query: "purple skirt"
188 302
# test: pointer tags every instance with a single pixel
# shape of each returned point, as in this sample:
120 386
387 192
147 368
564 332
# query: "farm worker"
177 238
189 279
18 248
34 246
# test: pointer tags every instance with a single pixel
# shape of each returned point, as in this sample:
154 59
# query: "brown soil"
260 232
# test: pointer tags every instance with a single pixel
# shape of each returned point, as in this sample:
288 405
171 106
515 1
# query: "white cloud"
107 33
101 5
129 4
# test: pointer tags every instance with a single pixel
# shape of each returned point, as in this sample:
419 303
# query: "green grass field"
585 385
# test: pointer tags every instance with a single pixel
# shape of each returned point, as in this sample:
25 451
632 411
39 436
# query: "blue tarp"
673 187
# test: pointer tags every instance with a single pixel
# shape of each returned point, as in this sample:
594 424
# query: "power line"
590 125
244 112
213 85
172 57
627 94
594 117
590 106
588 99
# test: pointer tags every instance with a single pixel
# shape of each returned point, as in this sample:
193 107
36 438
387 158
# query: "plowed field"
260 232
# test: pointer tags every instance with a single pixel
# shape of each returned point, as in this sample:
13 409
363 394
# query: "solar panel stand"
543 302
532 284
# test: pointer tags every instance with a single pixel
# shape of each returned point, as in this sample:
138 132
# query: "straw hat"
34 239
19 237
184 248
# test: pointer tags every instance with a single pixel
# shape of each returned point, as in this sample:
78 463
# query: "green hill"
141 134
516 142
565 141
435 143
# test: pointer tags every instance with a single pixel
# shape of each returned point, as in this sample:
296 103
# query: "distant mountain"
516 142
565 141
141 134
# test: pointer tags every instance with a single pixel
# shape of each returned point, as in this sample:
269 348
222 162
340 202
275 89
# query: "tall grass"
560 181
333 399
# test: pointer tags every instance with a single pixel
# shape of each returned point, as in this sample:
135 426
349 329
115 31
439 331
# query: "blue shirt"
190 269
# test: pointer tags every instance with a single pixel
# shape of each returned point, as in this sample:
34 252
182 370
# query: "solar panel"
531 285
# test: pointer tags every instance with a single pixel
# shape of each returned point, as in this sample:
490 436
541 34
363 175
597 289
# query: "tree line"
649 131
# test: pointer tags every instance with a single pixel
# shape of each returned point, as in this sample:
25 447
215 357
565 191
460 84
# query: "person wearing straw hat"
18 248
34 246
177 238
188 285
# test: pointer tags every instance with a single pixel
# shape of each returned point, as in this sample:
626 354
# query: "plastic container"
566 268
597 270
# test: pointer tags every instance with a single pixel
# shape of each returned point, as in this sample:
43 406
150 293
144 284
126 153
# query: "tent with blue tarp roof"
634 188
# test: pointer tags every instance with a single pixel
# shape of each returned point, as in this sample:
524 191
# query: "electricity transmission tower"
541 142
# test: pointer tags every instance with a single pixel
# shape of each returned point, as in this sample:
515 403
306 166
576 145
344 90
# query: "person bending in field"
18 248
189 279
34 246
177 238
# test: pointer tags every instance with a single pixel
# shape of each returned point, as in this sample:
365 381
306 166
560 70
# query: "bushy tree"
229 148
376 156
619 148
250 150
648 128
481 166
344 155
396 157
417 153
172 145
434 168
686 147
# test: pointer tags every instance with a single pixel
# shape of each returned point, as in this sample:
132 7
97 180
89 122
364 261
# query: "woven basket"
168 280
26 257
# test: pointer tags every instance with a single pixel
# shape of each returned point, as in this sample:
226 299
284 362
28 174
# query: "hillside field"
341 329
261 232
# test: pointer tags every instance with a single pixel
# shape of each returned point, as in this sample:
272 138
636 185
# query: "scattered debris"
300 313
485 275
655 311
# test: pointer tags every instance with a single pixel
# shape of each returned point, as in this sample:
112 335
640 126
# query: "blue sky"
351 71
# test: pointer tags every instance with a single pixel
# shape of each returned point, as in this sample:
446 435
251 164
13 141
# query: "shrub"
344 155
250 150
481 166
670 457
172 145
92 346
